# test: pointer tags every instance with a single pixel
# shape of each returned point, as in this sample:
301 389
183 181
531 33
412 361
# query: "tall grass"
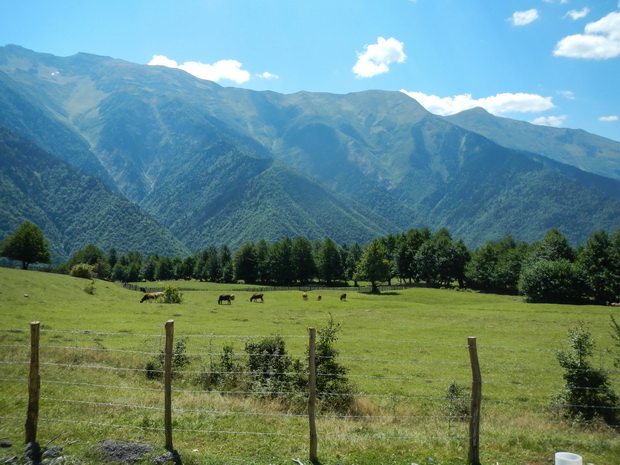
403 350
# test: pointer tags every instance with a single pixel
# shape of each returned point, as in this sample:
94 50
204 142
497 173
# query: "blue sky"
552 62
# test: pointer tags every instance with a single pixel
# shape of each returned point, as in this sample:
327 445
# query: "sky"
548 62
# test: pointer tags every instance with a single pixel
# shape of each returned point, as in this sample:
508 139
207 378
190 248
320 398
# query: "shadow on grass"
381 293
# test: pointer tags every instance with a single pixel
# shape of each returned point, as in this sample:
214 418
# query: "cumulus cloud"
496 104
377 57
608 119
521 18
600 41
555 121
578 14
223 69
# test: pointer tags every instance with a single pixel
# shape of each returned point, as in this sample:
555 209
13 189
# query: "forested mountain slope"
72 208
221 165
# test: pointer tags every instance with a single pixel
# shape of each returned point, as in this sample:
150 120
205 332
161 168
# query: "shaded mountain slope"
71 208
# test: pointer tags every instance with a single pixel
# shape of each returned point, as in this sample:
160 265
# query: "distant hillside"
72 209
220 165
581 149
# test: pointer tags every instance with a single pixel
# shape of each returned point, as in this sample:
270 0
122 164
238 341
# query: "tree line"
549 270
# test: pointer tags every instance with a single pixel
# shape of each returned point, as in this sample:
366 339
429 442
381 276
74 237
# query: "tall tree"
328 261
27 245
246 263
353 258
373 266
226 273
280 261
596 259
304 267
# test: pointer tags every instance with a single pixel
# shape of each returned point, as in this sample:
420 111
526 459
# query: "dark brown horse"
343 297
152 296
255 297
226 298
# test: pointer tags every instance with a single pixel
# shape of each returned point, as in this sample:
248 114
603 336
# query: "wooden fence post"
312 394
34 385
168 383
476 400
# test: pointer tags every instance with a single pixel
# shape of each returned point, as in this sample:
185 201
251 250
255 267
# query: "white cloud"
521 18
496 104
578 14
608 119
377 57
601 40
223 69
569 94
267 75
555 121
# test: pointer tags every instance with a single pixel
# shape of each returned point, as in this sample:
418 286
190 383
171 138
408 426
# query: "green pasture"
403 348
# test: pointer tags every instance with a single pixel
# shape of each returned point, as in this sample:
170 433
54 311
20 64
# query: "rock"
168 457
55 451
124 452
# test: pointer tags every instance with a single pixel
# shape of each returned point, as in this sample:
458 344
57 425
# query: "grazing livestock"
343 297
615 304
226 298
319 297
143 290
256 297
152 296
304 296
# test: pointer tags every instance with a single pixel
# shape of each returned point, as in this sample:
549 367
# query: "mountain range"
154 160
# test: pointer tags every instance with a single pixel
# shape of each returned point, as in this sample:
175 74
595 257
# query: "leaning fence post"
312 394
168 383
34 385
476 400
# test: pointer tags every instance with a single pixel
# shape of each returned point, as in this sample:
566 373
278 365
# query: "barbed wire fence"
73 357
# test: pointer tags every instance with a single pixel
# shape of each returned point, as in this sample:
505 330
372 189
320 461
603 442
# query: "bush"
558 281
270 366
172 295
224 372
587 394
82 270
333 388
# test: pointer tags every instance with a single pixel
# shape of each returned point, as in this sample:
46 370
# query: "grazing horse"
615 304
151 296
256 296
343 297
226 298
304 296
319 297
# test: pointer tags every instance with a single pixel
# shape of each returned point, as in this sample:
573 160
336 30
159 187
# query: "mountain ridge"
195 155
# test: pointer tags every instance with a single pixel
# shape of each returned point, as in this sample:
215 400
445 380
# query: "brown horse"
152 296
304 296
226 298
256 297
343 297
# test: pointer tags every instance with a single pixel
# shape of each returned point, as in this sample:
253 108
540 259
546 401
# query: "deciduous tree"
27 245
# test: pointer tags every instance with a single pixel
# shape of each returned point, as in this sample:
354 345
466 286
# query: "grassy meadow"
403 349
